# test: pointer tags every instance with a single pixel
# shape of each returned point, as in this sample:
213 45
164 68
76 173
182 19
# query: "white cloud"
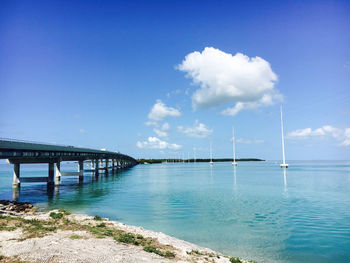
160 133
226 79
156 143
346 141
341 135
198 130
266 100
172 93
151 123
82 131
165 126
301 133
160 111
248 141
326 130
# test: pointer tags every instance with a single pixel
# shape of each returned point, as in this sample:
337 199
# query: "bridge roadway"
20 152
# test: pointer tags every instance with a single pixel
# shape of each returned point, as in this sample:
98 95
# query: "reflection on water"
79 191
15 194
258 215
234 176
285 179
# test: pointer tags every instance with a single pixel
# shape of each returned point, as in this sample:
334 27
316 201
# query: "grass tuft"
54 215
65 212
97 218
75 237
127 238
152 249
169 254
235 260
101 225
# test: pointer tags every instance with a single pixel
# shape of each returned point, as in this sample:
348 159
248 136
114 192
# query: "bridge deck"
19 152
27 152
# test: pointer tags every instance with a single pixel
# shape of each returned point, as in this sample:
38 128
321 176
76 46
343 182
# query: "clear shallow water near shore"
255 211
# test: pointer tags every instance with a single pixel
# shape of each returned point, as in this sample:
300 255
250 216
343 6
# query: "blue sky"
89 73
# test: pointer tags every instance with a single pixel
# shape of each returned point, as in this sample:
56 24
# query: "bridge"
21 152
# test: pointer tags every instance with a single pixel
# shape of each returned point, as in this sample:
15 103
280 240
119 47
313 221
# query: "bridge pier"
97 167
113 166
106 166
81 171
92 167
58 173
16 170
50 179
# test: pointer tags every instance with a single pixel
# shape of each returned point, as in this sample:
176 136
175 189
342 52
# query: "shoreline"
59 236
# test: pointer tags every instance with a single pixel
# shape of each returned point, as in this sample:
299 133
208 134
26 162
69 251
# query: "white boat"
211 156
233 148
283 165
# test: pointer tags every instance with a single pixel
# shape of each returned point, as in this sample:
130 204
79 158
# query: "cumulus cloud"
308 132
341 135
165 126
248 141
156 143
346 141
172 93
160 111
226 79
151 123
198 130
161 131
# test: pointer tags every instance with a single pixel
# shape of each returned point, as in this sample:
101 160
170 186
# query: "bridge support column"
106 166
97 167
112 166
16 182
50 179
81 171
58 173
101 163
92 167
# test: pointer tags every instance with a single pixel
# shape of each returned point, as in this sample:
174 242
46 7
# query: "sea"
255 211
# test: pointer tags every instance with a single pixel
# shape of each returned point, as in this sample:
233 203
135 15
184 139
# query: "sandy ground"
59 247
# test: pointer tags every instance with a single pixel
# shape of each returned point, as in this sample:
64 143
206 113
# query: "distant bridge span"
20 152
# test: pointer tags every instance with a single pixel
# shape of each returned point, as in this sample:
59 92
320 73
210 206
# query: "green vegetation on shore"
149 161
33 228
98 227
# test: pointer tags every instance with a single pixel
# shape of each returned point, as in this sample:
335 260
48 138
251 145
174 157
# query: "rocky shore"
59 236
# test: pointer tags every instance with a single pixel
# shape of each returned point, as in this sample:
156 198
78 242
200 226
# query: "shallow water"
255 211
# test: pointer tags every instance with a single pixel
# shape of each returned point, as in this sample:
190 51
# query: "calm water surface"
255 211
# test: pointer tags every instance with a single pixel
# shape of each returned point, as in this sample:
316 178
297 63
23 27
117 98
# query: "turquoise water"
255 211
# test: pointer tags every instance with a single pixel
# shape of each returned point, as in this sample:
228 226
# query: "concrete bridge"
20 152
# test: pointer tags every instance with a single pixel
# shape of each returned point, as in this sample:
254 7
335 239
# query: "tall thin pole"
284 157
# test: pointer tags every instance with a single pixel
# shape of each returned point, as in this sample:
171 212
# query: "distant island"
149 161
